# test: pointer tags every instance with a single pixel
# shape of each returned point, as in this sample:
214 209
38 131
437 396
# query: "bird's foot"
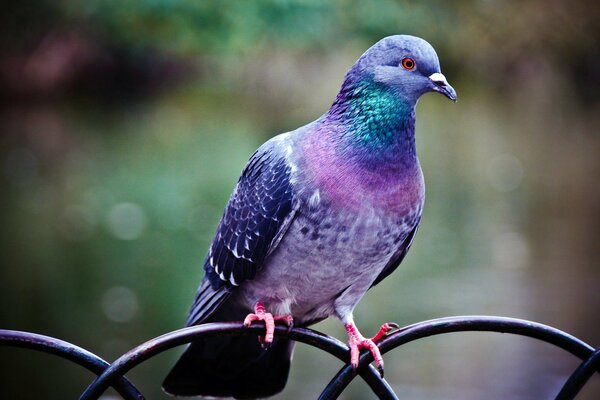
357 342
384 330
260 314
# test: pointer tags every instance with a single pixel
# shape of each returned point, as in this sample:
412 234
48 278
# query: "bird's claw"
385 330
380 369
392 325
357 342
287 320
357 345
260 314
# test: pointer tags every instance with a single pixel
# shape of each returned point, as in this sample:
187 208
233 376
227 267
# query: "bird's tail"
231 367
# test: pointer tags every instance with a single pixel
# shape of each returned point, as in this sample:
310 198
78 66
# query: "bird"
319 215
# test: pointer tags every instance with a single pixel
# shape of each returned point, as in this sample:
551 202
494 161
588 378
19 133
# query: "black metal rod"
341 351
460 324
182 336
378 385
579 378
70 352
114 373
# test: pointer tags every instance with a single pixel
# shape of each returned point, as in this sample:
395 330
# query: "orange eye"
408 63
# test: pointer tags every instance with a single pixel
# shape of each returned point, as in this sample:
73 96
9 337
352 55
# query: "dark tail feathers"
231 367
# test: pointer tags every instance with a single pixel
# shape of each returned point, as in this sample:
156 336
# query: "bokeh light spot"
119 304
126 221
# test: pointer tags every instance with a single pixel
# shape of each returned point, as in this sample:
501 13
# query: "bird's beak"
441 85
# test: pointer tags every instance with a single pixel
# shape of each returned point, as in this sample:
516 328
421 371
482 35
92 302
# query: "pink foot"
261 315
357 342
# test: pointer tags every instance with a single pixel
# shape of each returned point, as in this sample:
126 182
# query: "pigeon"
318 216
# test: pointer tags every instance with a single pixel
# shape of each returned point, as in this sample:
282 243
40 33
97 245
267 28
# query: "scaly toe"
263 343
286 319
250 318
393 325
357 342
260 314
385 330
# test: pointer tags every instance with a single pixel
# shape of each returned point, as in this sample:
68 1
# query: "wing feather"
397 258
257 215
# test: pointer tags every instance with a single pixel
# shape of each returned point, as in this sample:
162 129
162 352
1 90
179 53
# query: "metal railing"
114 374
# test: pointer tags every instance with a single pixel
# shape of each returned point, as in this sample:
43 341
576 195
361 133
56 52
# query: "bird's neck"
363 154
376 125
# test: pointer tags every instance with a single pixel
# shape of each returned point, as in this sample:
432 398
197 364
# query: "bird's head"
406 65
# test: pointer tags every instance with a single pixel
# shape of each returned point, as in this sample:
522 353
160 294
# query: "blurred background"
124 126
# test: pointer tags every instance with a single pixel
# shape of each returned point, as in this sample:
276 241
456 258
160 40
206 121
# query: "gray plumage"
319 215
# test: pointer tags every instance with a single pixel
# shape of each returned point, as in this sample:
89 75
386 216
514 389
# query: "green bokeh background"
124 126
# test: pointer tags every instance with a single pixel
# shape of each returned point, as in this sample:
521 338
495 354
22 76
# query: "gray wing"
397 258
259 212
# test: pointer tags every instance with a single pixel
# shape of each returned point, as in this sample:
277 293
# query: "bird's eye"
408 63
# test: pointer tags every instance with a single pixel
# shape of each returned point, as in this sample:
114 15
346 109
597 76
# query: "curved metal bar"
70 352
579 378
378 385
460 324
182 336
371 376
107 374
